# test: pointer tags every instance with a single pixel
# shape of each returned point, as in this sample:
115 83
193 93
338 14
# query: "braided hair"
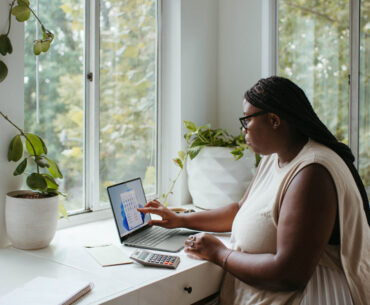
284 98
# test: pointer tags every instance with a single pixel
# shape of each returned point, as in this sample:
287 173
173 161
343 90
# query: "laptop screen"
125 198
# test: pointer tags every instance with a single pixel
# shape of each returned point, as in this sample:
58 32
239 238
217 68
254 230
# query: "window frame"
354 69
93 210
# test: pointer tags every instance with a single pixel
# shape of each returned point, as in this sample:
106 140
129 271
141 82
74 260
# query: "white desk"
124 284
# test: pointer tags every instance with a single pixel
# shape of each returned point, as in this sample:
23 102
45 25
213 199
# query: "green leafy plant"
22 11
33 150
199 137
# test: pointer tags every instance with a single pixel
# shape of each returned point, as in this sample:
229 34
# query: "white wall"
211 54
239 62
11 103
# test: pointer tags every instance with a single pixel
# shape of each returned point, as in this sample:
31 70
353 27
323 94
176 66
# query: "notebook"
47 291
132 225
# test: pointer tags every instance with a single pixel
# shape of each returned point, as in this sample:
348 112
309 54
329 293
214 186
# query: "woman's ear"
274 120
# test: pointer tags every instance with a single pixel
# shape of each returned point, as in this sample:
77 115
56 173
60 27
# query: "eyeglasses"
246 119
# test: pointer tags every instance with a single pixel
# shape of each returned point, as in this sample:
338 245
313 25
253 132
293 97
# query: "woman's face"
258 132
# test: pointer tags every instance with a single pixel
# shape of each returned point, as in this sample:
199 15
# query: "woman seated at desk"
300 235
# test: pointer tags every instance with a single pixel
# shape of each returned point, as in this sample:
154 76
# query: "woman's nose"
244 130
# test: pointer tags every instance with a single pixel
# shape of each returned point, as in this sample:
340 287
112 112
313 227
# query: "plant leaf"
51 183
15 151
20 168
190 126
178 162
36 181
194 151
38 145
182 155
62 210
41 162
3 71
37 47
21 12
5 45
23 2
45 45
54 169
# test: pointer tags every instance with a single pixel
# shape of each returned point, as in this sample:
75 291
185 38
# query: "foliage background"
314 52
127 146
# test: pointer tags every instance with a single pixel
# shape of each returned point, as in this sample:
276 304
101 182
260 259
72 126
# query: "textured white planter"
30 223
216 179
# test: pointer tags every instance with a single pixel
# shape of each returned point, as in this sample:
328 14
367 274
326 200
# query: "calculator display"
143 255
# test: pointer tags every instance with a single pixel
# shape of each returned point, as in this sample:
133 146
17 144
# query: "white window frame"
91 181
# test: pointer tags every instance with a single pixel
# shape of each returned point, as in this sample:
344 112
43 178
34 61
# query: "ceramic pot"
216 179
30 223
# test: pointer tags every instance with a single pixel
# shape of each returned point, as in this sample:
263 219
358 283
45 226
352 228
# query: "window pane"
61 92
127 92
314 52
364 132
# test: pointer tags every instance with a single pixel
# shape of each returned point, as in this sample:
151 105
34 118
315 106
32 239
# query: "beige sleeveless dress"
343 273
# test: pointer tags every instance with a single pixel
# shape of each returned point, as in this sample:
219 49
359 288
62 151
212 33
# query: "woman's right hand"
169 219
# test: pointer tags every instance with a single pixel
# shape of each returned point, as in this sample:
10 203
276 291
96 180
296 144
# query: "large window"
314 50
56 95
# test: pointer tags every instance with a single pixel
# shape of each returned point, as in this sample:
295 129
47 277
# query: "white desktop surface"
134 284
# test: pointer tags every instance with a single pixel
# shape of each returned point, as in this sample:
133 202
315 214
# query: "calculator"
148 258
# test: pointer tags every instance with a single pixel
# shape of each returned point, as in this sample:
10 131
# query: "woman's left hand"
205 246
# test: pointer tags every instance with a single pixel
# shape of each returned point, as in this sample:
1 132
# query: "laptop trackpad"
173 244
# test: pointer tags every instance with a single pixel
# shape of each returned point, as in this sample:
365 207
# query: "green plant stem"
23 134
34 14
172 186
10 17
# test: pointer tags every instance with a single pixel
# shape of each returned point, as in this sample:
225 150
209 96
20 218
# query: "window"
121 141
314 50
364 95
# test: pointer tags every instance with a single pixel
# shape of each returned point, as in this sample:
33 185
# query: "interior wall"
239 61
11 93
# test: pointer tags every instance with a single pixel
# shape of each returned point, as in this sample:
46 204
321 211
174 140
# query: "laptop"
132 225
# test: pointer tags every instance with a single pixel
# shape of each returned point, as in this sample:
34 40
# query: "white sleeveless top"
254 230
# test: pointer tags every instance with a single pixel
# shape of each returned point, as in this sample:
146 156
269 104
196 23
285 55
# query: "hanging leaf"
54 169
182 155
62 210
3 71
178 162
15 151
45 45
20 168
36 181
21 12
37 47
37 143
5 45
23 2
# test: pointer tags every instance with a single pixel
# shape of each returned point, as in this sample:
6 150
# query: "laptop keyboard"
152 236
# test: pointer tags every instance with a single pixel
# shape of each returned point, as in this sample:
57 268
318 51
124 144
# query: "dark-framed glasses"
246 119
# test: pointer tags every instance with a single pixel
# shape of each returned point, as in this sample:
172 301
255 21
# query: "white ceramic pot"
216 179
30 223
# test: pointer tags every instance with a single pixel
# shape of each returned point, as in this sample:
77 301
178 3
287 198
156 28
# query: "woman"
301 233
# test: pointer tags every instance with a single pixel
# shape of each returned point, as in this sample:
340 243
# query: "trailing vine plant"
22 11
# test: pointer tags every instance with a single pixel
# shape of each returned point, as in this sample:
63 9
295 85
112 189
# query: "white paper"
109 255
45 291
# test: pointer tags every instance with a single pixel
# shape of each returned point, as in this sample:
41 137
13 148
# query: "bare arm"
305 224
218 220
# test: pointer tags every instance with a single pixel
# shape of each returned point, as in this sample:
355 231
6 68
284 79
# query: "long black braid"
284 98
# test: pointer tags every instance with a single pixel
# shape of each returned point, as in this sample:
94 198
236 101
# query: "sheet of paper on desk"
47 291
109 255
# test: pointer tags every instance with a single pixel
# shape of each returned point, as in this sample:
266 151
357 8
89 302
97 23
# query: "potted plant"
218 169
31 215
